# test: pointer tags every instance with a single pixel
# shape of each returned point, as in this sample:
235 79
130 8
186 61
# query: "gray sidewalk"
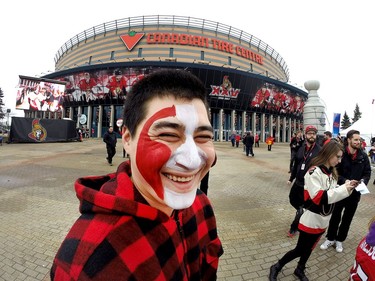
250 196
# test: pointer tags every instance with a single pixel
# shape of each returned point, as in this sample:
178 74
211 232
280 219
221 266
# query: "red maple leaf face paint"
150 163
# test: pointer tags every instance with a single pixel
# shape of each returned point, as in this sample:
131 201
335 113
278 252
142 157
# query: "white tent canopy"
365 126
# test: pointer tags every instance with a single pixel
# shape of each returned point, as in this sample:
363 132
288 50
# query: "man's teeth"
179 179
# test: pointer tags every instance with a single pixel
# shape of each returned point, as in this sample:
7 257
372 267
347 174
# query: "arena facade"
246 79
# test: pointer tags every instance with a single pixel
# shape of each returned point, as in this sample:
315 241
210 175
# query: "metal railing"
188 22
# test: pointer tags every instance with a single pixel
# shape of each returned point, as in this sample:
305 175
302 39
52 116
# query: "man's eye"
170 137
203 138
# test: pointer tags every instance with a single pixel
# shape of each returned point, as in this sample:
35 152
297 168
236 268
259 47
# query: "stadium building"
246 79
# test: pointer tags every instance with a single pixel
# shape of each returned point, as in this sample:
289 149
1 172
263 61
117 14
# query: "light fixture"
203 62
138 59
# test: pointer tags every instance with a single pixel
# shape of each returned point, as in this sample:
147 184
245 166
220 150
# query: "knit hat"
311 128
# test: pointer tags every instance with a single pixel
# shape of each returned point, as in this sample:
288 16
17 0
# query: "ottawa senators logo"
38 132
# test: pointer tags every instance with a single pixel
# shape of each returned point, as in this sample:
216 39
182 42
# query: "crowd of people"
155 206
325 175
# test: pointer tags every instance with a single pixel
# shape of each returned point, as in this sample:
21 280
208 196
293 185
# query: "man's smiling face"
171 152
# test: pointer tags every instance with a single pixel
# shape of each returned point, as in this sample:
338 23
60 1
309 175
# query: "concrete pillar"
270 125
112 121
285 136
314 110
221 113
254 122
71 113
78 116
262 126
100 121
232 119
244 119
89 118
278 129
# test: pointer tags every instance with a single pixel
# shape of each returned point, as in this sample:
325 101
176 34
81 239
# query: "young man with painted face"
355 165
148 221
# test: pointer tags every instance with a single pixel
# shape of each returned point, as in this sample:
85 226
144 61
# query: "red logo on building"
225 90
131 39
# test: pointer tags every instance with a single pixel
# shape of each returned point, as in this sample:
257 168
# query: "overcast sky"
329 41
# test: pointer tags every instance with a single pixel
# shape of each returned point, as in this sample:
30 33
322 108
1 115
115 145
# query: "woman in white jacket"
321 192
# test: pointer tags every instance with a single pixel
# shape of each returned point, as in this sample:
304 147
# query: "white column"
71 112
262 126
285 138
244 117
278 128
270 125
233 117
100 121
112 122
89 118
254 122
221 112
79 115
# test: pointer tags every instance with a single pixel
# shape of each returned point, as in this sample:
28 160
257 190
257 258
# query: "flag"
336 123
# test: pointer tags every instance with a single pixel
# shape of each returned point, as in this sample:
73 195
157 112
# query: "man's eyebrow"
166 124
205 128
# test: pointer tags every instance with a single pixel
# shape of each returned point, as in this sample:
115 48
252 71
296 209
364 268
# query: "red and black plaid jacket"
119 236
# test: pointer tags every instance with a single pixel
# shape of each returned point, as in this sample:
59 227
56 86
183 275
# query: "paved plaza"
250 197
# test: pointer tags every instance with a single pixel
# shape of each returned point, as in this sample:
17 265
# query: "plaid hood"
120 237
114 193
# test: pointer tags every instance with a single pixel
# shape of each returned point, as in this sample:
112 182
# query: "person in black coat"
295 144
305 153
110 139
354 165
249 142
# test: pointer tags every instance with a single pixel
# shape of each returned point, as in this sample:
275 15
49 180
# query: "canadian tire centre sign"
132 38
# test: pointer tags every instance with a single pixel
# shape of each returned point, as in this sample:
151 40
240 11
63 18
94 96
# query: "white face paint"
186 157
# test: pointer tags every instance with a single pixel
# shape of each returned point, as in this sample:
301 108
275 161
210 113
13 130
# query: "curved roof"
189 22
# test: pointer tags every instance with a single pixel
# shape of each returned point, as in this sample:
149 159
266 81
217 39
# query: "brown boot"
300 273
274 271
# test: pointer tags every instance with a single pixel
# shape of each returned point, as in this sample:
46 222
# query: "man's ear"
126 138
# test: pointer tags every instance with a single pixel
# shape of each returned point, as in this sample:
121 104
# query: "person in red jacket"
269 141
148 220
238 139
364 263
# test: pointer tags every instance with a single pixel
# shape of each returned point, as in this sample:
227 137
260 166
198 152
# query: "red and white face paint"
187 157
174 151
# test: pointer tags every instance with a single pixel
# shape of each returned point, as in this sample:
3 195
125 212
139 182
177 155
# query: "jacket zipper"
182 236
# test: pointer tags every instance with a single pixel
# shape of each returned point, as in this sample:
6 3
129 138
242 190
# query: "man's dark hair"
328 133
350 134
179 84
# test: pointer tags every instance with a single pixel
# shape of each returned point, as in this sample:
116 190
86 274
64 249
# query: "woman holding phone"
320 193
